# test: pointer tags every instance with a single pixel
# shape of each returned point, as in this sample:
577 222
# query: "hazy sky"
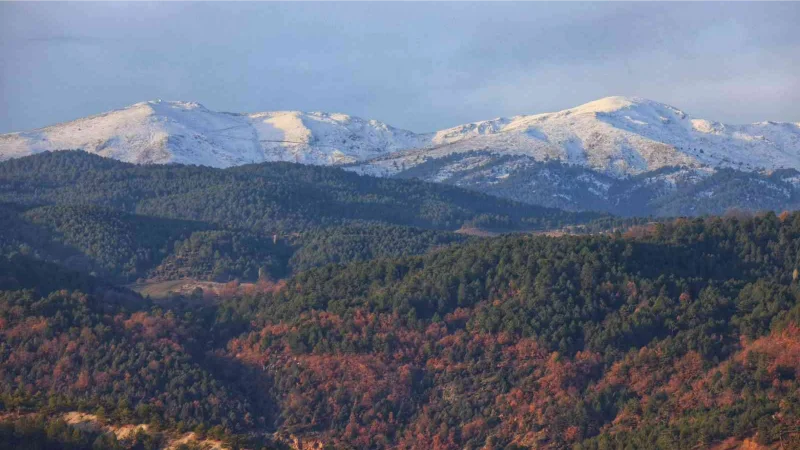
420 66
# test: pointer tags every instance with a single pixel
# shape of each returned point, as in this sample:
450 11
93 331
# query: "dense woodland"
268 197
676 335
128 222
680 334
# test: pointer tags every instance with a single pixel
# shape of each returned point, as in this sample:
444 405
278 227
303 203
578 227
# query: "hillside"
270 197
263 221
676 335
669 191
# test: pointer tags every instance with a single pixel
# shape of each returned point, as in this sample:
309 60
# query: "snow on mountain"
615 136
159 132
618 136
322 138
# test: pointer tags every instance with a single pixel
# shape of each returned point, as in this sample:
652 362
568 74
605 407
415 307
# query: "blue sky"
420 66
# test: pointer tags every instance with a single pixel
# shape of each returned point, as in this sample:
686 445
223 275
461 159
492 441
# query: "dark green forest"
390 331
268 197
129 222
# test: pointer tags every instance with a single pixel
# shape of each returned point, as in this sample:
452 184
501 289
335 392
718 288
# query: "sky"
419 66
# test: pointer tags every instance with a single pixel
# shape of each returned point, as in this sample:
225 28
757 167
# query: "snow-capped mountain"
619 154
618 136
628 156
160 132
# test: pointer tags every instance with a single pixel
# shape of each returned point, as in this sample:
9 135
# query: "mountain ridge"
158 132
623 155
616 135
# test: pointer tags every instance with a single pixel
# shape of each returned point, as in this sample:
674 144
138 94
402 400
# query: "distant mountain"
668 191
159 132
618 136
627 156
623 155
615 135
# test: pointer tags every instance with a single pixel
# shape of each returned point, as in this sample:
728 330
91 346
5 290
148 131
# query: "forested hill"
128 222
267 197
678 335
673 336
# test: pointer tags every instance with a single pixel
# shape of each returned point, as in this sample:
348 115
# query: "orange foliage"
626 420
230 289
29 327
150 326
640 231
572 434
782 350
686 370
641 372
83 380
458 315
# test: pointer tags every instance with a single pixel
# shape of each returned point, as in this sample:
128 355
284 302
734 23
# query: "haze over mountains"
618 154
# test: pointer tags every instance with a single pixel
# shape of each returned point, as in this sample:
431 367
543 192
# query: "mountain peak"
608 104
159 131
617 135
619 103
176 104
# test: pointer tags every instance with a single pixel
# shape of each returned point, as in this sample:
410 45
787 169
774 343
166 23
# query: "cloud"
420 66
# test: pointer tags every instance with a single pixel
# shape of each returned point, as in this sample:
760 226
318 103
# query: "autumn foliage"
684 336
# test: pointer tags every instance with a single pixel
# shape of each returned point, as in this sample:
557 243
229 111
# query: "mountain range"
293 306
625 155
